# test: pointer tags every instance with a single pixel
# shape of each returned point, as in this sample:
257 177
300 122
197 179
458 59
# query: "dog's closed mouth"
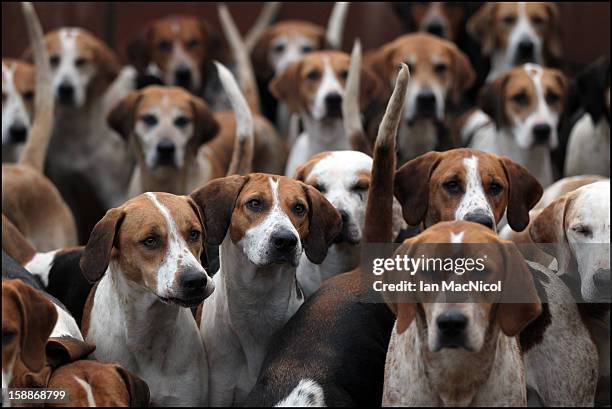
184 302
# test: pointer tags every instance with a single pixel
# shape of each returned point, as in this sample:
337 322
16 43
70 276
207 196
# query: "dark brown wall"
586 26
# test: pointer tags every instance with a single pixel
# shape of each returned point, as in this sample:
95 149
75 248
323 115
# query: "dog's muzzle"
66 94
283 245
183 77
18 133
165 153
333 105
451 327
194 286
426 105
350 232
525 52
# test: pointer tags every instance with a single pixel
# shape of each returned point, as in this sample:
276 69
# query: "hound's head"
271 219
168 125
82 66
17 101
515 33
527 102
467 320
153 242
315 85
465 184
440 73
578 226
442 19
176 49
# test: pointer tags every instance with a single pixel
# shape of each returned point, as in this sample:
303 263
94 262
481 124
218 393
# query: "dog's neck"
325 135
536 159
445 371
167 179
416 139
142 313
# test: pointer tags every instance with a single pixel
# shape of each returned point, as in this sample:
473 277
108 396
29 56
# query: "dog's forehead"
336 166
150 209
420 48
294 29
336 59
165 99
522 79
273 186
536 9
591 203
506 8
176 27
72 39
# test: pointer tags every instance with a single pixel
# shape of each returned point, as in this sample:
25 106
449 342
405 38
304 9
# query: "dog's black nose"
284 240
193 280
166 147
452 323
183 77
435 28
426 104
333 103
65 93
541 133
525 50
18 133
480 218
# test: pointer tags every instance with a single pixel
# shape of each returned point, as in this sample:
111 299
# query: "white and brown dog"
314 87
523 109
435 340
17 106
515 33
343 177
262 223
146 256
440 73
466 184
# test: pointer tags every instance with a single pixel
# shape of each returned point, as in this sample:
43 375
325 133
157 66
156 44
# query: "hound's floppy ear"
107 62
553 38
379 61
519 304
97 254
122 117
370 88
138 51
38 317
136 387
412 186
464 74
325 225
215 49
524 192
480 28
217 199
206 126
548 229
403 305
286 87
592 84
259 55
491 100
63 350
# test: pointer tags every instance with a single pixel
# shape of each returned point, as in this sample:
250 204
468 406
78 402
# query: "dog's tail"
36 147
242 155
350 105
379 207
335 24
244 68
266 17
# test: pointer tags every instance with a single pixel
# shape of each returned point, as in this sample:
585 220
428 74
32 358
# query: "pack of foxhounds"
184 227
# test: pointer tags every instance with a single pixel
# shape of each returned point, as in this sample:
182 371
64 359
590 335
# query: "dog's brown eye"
583 230
149 120
552 98
440 69
8 336
452 186
164 46
344 74
521 99
299 209
307 49
192 44
182 121
255 205
28 95
80 62
313 75
54 60
537 21
151 242
509 20
194 235
495 189
411 68
279 48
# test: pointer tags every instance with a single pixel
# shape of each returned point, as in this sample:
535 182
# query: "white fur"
65 325
14 112
474 199
41 264
588 148
91 402
67 72
307 393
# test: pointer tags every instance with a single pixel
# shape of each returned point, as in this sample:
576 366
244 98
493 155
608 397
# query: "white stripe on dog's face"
329 86
178 255
474 200
287 49
523 31
258 240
